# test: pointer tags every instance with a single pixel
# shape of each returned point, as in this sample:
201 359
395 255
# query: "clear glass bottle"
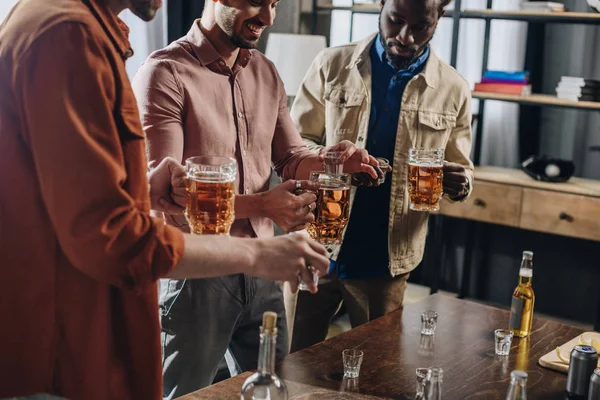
433 387
523 299
518 386
264 384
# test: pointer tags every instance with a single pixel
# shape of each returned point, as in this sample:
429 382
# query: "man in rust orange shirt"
79 253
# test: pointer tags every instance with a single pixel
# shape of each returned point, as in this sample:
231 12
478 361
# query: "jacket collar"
430 73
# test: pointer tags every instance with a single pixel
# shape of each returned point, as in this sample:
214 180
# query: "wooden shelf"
532 16
539 99
516 177
358 8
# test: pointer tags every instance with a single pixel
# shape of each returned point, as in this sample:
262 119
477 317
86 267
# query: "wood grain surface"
463 346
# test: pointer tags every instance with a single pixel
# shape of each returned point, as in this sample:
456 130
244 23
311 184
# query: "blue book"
507 76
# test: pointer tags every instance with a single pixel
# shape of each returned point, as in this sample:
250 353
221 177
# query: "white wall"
145 37
5 7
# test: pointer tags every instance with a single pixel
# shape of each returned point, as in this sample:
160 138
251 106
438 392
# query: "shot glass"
503 340
422 374
428 322
352 359
332 163
302 285
384 165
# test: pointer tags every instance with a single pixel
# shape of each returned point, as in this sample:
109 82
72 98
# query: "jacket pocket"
434 129
343 109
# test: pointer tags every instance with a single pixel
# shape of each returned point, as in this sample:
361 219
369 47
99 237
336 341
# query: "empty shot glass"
352 359
503 339
428 322
384 165
302 285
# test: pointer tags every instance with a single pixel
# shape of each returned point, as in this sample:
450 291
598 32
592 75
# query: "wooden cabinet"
509 197
489 202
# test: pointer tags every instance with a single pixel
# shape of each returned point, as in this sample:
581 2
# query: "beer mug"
209 194
333 208
426 172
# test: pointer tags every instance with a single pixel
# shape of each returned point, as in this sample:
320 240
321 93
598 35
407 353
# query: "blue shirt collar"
417 64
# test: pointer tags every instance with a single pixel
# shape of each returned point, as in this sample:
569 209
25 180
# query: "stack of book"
578 89
505 82
542 6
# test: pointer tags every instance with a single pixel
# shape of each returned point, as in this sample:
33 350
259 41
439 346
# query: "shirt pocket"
342 113
434 129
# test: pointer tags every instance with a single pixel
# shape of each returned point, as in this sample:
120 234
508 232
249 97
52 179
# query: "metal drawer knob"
479 203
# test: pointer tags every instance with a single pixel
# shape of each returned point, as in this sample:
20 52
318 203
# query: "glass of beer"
333 208
209 194
426 172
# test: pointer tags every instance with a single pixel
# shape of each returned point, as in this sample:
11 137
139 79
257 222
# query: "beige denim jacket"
334 104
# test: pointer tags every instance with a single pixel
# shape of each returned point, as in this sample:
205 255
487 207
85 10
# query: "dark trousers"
365 300
202 318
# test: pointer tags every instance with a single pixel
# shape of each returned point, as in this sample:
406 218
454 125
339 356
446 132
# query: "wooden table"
463 346
509 197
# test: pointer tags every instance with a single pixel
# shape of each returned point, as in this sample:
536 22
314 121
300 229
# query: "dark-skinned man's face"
406 27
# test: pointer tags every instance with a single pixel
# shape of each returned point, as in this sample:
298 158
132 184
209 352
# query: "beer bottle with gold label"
521 309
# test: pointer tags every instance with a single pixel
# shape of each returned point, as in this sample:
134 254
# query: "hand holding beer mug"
210 192
333 209
425 178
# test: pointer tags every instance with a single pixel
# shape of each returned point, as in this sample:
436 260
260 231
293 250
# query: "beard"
145 9
226 21
401 62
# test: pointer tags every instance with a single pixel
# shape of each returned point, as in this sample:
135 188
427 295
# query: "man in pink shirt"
211 93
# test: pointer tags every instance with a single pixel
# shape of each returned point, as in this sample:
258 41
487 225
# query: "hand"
167 188
290 211
355 160
285 258
364 179
455 180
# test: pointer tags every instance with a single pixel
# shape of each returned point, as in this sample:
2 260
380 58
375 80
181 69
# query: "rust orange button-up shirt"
79 253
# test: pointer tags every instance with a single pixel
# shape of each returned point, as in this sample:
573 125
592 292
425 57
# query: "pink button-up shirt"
192 104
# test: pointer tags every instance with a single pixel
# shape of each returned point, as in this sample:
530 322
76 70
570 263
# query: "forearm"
209 256
249 205
308 165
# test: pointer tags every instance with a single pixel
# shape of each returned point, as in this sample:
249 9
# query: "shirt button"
415 77
244 152
247 191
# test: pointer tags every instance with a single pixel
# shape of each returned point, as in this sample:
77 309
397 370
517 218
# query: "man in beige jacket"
386 94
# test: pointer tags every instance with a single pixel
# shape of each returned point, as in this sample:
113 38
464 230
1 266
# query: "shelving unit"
538 100
533 103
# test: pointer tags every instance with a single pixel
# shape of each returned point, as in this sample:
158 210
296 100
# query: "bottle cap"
269 324
518 375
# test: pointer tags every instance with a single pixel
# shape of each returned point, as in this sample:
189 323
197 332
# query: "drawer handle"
566 217
479 203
